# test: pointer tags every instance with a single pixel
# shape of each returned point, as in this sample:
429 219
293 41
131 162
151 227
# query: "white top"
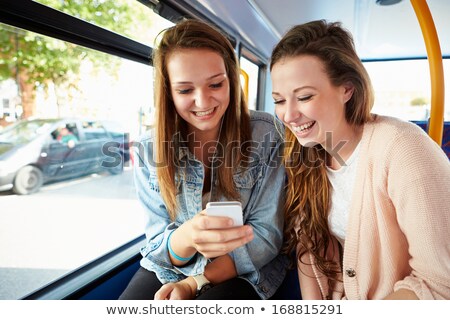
342 181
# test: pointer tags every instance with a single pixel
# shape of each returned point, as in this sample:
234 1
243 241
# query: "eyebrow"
209 78
296 89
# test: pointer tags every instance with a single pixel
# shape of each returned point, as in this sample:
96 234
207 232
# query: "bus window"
84 211
403 89
126 17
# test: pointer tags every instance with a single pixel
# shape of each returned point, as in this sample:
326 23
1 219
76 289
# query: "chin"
208 127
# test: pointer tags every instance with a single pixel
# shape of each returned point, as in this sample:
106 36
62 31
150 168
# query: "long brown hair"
192 34
308 188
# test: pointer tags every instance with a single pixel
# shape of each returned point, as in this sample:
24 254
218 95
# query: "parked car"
34 152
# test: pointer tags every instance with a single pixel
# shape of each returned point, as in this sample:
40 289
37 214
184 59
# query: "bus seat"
445 136
446 139
112 285
289 289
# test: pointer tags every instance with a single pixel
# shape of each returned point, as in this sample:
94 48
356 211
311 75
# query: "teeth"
203 113
303 127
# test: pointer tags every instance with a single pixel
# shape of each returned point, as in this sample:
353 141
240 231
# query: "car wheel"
28 180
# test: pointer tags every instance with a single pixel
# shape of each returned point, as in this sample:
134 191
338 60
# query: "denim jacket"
261 188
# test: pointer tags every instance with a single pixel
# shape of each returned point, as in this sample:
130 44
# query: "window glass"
129 18
23 132
86 205
403 88
251 70
94 130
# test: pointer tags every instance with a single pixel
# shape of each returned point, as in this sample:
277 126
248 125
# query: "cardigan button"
350 272
264 289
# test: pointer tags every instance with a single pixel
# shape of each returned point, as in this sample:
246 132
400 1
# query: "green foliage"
45 59
419 101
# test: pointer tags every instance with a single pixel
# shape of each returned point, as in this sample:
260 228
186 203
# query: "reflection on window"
23 132
78 198
252 71
129 18
403 88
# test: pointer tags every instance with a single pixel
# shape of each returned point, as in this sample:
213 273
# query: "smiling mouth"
203 113
304 127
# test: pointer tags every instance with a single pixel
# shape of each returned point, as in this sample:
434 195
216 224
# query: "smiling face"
200 89
306 101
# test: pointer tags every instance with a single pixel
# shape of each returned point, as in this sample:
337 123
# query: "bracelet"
173 253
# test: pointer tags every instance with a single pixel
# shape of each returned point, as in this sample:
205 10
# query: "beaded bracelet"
173 253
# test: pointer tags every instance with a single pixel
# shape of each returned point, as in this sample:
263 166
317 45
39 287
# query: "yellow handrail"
245 84
436 125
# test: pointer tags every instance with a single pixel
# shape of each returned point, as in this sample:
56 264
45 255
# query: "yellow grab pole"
436 125
245 84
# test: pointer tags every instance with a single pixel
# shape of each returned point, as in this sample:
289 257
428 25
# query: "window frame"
75 283
36 17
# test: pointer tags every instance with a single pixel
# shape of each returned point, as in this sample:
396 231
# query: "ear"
348 89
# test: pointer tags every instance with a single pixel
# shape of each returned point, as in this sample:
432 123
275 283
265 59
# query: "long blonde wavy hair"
192 34
308 189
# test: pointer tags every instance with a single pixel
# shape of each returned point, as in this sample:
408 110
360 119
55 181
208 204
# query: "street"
64 226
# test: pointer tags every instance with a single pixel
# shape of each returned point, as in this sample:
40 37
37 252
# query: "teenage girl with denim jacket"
206 146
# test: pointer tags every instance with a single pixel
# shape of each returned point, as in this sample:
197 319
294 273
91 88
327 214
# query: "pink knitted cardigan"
398 233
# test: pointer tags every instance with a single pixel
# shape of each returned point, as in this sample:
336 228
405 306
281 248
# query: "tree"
419 102
34 60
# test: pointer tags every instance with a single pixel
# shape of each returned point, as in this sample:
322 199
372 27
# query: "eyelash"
184 91
302 99
217 85
305 98
212 86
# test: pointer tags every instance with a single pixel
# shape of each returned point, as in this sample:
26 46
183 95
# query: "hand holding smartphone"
231 209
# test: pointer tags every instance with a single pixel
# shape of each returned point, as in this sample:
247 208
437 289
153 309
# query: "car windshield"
24 131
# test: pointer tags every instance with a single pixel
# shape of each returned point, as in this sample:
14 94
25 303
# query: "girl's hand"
182 290
214 236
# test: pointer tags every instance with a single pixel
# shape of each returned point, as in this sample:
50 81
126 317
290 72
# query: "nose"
202 99
292 113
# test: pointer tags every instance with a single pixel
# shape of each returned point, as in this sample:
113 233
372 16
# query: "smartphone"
231 209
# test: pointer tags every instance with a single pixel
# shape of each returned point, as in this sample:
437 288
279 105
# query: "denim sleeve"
158 223
265 215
